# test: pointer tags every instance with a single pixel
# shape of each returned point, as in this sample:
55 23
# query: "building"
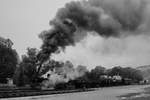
6 42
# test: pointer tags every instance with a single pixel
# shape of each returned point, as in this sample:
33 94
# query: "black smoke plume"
108 18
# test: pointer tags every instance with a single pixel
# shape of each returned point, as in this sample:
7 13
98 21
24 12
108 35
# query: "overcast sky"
23 20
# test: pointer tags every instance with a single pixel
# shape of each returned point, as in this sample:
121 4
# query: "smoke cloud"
131 51
114 23
63 74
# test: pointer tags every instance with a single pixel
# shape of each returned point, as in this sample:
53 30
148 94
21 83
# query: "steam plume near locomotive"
109 19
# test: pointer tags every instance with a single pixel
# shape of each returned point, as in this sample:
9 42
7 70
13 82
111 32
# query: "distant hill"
145 71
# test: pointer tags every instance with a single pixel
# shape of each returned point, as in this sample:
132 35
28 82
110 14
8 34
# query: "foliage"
31 69
100 76
27 68
126 72
8 62
97 72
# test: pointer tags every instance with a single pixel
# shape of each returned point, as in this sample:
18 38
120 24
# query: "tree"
132 73
27 68
115 71
127 72
97 72
8 62
30 68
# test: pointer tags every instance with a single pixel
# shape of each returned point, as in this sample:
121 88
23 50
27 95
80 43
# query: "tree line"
101 77
30 69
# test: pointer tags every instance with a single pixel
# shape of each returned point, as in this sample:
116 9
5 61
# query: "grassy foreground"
145 95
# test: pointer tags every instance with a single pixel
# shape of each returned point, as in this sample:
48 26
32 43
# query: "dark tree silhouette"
8 62
27 68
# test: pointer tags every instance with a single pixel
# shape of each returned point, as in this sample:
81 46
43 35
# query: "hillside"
145 71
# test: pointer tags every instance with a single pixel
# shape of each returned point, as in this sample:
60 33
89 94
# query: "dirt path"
110 93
